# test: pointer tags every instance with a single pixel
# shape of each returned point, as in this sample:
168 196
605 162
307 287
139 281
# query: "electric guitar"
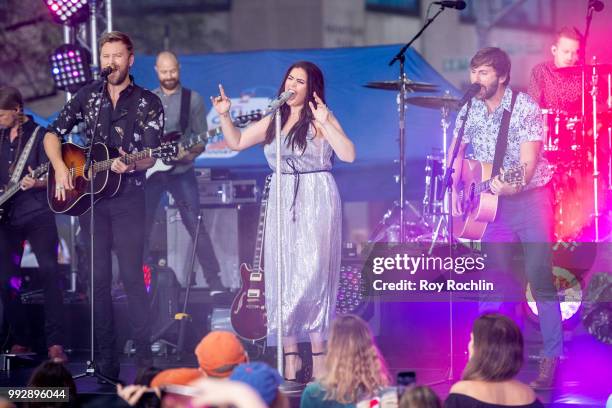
175 137
248 312
106 182
12 189
479 205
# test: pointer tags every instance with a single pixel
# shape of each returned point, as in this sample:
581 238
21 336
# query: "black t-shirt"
464 401
24 204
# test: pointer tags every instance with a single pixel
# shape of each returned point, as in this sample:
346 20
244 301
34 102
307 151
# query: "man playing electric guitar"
184 112
129 118
26 215
524 212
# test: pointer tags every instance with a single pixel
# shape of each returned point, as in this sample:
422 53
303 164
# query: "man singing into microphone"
524 214
119 220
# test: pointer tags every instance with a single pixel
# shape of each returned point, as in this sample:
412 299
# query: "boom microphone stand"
91 369
401 57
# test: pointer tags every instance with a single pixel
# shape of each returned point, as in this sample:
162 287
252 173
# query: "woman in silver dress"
311 208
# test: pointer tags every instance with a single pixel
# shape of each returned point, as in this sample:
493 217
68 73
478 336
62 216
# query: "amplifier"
227 191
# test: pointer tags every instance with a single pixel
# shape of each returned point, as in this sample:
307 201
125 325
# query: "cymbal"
602 69
395 85
434 102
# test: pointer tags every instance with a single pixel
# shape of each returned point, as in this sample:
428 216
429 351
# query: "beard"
117 77
487 91
169 84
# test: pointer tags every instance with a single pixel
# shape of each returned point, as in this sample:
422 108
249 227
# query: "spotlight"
70 67
569 290
68 12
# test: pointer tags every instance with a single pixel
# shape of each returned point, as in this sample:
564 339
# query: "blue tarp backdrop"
368 116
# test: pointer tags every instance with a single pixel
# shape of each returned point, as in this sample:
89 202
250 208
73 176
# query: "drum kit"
576 145
430 216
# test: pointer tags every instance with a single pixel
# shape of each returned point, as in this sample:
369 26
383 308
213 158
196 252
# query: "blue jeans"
526 218
184 190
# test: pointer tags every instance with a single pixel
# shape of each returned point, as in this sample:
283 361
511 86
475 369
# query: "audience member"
495 358
419 397
354 367
263 379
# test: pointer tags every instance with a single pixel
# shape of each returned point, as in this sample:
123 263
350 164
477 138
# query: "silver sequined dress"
311 240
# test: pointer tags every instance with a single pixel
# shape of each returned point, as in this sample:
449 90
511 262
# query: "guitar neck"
127 159
38 172
261 226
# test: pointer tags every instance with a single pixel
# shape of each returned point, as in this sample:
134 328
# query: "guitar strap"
502 137
185 109
23 158
128 135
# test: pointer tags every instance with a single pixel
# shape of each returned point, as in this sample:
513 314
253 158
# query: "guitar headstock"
166 150
515 175
245 120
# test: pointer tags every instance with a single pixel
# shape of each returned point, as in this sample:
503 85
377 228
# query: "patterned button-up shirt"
111 126
482 129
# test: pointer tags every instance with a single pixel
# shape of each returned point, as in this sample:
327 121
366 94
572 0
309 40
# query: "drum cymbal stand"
443 218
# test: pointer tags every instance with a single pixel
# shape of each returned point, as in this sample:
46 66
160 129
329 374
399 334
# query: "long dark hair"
498 349
315 83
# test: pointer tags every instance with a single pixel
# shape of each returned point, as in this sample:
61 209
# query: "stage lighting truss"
569 291
70 67
68 12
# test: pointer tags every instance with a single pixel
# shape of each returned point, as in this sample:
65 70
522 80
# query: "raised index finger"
222 91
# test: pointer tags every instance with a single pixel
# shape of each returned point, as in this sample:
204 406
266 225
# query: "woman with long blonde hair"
354 366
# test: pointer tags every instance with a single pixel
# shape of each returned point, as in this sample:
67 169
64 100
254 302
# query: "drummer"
559 89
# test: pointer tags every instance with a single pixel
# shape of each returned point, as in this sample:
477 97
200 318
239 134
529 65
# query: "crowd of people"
355 374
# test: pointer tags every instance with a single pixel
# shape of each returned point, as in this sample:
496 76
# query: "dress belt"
296 179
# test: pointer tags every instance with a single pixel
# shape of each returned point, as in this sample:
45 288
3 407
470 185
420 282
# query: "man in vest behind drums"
185 112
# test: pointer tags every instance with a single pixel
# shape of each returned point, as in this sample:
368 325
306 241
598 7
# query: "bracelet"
225 115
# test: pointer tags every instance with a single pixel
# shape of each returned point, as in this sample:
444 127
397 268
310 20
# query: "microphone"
459 5
469 94
280 101
596 5
106 71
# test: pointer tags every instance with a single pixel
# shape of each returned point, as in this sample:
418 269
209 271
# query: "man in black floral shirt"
119 221
524 214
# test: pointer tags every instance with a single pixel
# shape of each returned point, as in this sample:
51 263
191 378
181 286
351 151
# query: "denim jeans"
41 232
527 218
119 225
184 190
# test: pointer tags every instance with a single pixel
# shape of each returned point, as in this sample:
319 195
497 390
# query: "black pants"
184 190
119 225
41 233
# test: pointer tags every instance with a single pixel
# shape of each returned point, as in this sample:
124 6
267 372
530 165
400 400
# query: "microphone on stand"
469 94
278 102
459 5
106 71
597 5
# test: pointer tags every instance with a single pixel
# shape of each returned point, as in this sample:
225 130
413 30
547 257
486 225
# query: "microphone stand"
401 57
594 90
91 369
448 177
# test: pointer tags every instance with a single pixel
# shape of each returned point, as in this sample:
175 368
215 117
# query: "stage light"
70 67
68 12
351 288
569 290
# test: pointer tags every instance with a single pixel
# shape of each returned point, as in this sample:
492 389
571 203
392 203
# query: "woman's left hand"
321 113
